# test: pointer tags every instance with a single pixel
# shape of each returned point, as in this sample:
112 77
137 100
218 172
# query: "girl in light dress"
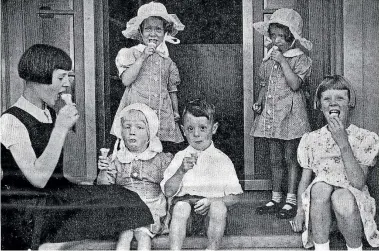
339 155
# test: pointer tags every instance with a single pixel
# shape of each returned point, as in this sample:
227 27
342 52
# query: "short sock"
322 247
291 199
277 196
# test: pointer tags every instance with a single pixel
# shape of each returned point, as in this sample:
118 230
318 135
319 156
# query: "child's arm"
107 174
356 174
293 80
175 107
298 221
258 106
172 185
131 73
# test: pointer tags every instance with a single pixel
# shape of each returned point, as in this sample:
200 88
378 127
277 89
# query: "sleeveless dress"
71 212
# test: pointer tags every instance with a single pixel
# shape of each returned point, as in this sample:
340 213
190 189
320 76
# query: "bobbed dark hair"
39 61
288 35
200 108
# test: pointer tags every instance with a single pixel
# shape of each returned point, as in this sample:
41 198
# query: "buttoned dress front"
284 114
142 177
319 152
157 78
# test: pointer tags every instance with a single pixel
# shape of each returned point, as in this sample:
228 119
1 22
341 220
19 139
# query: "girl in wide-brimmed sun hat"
281 106
147 71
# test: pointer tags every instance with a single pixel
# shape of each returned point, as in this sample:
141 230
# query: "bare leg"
320 211
276 158
180 215
348 217
144 240
125 240
217 222
292 165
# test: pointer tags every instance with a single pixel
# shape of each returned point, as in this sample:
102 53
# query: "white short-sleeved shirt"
12 131
212 176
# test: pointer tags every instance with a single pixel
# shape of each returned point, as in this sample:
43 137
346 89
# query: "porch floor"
245 230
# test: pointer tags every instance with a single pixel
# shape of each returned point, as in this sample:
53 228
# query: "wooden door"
58 23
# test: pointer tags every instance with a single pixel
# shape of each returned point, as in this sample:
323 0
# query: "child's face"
153 31
335 103
135 131
277 36
198 131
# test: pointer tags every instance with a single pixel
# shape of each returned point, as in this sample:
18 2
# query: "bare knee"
182 210
343 203
321 192
218 210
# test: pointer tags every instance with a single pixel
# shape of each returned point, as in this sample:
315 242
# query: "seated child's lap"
197 224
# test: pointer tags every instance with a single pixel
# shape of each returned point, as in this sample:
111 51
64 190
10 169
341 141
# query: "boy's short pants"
197 224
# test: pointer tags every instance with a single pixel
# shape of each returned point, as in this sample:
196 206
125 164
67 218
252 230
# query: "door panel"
49 22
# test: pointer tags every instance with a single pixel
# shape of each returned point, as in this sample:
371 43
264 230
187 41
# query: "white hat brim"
132 27
262 28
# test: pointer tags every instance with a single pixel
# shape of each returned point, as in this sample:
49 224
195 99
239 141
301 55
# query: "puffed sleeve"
12 131
174 78
304 152
303 67
367 151
124 59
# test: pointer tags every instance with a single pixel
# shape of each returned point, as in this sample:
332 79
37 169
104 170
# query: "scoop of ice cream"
104 152
67 98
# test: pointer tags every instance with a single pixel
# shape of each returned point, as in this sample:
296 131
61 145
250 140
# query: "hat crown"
152 9
289 18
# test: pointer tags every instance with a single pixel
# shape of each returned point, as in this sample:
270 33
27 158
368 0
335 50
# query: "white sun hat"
149 10
289 18
155 145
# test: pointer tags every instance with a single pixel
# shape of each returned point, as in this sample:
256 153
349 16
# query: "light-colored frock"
319 152
284 114
157 78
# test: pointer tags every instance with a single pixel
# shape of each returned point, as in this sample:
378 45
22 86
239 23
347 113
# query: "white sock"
322 247
277 196
354 249
291 199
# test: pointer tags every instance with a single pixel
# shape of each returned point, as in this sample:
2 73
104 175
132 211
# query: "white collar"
42 115
288 54
125 156
210 148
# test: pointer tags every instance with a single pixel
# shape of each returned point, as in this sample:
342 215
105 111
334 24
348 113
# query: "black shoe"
287 213
268 209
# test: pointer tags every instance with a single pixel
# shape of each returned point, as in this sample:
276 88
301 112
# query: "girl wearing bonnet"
281 106
138 164
147 71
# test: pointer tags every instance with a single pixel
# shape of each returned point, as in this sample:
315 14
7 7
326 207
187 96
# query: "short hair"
200 108
288 36
167 26
39 61
334 82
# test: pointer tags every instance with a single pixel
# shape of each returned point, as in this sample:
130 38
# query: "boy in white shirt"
201 179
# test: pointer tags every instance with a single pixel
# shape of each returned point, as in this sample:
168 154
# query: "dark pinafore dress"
70 212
